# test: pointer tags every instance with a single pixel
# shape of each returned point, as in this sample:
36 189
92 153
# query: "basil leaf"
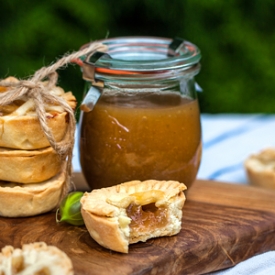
70 209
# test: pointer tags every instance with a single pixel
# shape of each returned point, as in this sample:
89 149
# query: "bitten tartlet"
133 211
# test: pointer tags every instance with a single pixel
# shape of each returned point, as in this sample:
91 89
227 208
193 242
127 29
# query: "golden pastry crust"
23 200
260 168
28 166
19 122
106 212
35 258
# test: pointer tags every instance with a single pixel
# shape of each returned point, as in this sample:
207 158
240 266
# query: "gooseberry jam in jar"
146 121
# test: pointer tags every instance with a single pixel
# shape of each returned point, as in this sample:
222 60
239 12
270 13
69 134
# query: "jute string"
34 89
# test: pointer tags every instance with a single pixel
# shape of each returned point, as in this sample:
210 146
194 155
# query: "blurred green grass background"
236 38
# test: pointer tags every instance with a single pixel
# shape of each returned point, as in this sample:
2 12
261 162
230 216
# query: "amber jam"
146 217
147 137
146 123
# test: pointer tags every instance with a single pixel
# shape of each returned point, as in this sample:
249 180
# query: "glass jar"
146 121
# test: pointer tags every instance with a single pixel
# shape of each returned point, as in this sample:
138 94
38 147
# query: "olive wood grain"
223 224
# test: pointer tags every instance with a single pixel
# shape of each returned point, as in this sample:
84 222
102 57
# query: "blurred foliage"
236 38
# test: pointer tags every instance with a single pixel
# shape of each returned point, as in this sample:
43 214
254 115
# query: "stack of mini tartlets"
32 174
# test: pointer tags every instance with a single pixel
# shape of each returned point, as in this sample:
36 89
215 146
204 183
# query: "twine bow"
39 92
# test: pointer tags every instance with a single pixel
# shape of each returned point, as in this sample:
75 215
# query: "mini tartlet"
20 127
133 211
24 200
260 168
28 166
35 258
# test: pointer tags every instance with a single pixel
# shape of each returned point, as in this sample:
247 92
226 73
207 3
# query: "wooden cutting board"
223 224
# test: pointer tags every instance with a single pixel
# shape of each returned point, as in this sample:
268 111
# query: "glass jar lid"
144 57
138 54
147 54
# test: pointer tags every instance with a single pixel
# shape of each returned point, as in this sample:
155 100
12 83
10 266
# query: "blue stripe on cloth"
225 170
235 132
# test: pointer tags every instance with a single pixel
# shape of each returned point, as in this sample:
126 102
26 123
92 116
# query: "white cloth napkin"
229 139
263 264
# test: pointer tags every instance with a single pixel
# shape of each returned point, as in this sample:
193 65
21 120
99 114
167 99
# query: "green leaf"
70 209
